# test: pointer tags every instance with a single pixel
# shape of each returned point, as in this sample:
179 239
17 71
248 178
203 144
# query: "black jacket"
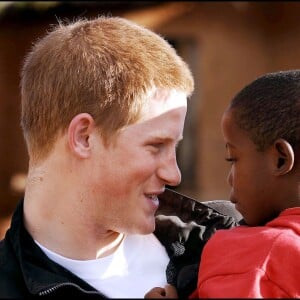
183 226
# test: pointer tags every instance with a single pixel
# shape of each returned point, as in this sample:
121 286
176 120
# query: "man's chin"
147 228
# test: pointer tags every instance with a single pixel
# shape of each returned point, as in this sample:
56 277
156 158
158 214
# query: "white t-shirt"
138 264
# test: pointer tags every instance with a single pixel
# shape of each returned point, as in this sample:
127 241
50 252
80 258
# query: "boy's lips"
233 199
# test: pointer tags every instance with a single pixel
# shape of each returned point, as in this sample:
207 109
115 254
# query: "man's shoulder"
8 263
5 254
10 276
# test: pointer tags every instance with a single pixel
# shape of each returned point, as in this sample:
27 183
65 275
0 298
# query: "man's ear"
79 132
284 157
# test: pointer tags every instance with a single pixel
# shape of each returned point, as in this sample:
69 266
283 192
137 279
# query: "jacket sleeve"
251 284
183 226
250 263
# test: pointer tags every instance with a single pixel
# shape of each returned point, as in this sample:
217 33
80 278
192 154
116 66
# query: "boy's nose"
229 178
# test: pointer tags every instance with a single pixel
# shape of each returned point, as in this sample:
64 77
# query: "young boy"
260 259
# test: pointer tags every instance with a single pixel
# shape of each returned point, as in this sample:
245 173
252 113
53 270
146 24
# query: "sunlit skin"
138 165
254 188
90 193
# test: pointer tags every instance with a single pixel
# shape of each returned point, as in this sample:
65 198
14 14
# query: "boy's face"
250 175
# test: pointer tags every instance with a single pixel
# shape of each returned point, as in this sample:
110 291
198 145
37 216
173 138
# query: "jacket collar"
39 272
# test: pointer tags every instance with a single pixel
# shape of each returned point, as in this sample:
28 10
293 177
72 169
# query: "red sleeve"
194 294
256 263
253 284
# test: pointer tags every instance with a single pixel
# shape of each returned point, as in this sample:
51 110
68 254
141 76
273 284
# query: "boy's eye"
230 159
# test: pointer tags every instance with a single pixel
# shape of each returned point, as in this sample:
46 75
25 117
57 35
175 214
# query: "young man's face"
250 175
128 175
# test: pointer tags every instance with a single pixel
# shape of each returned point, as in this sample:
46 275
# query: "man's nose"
169 171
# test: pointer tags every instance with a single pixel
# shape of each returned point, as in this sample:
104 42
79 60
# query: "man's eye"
156 146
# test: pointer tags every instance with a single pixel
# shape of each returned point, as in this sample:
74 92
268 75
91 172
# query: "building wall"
234 42
15 41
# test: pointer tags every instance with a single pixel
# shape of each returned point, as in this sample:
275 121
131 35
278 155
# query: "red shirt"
253 262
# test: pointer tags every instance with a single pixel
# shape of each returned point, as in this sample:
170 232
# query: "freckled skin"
108 189
140 161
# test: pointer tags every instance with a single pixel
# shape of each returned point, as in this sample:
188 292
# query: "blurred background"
227 44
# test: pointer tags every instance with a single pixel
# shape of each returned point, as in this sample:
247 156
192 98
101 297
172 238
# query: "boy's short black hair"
269 108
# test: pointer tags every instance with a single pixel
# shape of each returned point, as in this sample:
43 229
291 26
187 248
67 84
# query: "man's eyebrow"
166 138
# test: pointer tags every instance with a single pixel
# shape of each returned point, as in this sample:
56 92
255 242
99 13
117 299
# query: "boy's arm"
248 263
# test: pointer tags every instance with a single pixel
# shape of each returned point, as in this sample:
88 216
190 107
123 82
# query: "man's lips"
153 197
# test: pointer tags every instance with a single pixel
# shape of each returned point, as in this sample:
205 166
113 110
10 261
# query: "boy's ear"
79 132
284 157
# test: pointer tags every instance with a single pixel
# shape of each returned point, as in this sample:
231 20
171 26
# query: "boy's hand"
158 292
